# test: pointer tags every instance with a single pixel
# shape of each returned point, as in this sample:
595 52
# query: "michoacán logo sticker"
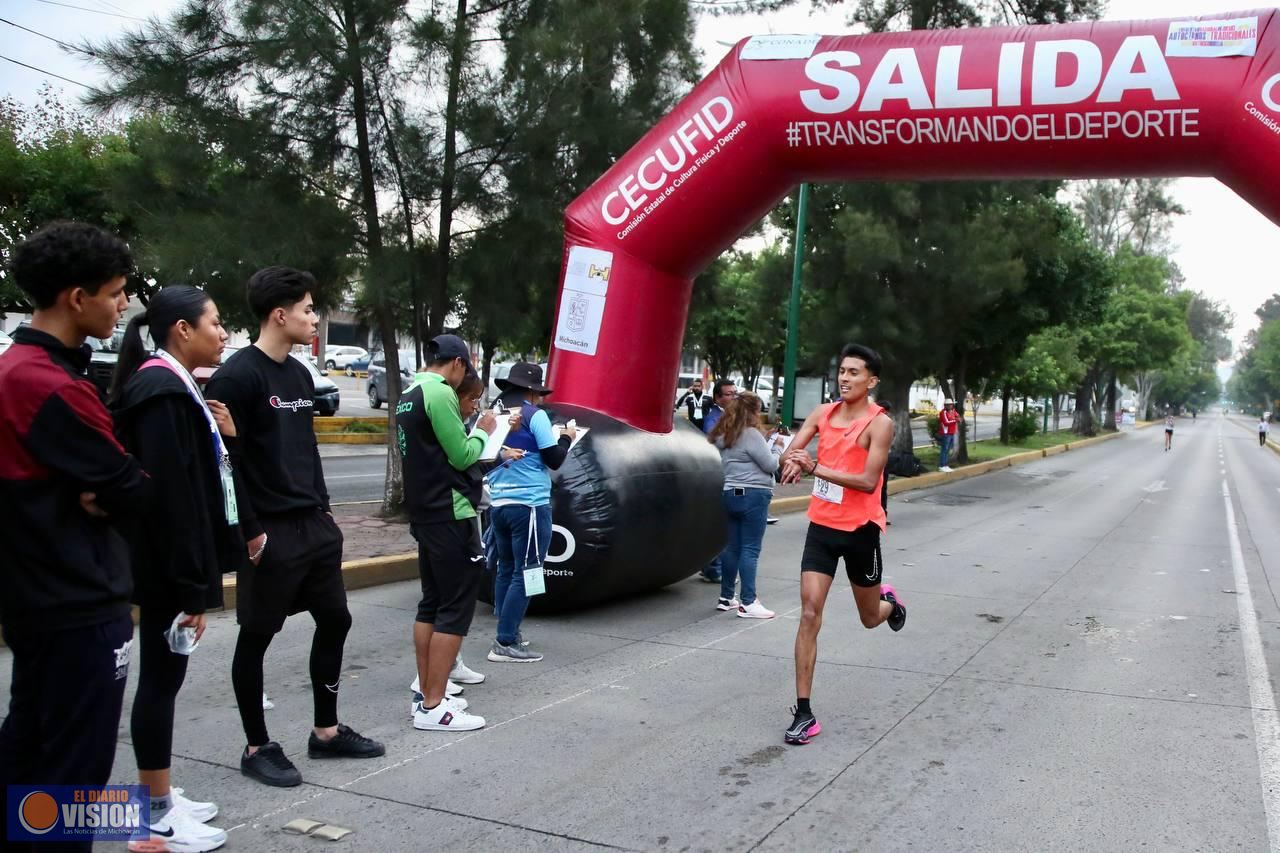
76 812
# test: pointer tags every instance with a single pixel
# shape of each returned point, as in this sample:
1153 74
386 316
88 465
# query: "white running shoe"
179 832
946 469
451 692
450 689
755 610
464 674
445 717
267 704
728 604
203 812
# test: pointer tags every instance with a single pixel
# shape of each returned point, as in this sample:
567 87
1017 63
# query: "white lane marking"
1157 486
1266 723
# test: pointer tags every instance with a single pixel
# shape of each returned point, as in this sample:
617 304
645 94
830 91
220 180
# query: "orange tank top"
838 507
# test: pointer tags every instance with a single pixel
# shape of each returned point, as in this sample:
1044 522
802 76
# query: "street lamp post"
793 314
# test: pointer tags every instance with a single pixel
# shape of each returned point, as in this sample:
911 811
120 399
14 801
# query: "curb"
351 437
1272 444
356 574
799 503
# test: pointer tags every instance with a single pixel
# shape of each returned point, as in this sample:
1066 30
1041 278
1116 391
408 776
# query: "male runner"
845 516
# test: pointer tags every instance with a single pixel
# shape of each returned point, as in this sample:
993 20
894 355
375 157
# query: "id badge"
535 581
229 498
824 490
697 412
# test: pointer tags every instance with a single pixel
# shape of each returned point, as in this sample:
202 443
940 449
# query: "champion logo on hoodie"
291 405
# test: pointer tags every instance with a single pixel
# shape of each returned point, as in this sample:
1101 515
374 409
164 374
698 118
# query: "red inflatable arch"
1144 98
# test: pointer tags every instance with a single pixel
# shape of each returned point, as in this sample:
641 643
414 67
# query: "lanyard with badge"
219 446
535 581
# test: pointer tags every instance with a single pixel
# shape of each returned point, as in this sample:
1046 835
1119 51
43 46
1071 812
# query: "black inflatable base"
632 512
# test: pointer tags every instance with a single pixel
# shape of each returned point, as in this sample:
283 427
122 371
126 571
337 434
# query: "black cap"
450 346
524 375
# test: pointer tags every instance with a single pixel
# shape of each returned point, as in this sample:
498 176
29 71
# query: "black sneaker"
347 743
803 727
898 617
270 766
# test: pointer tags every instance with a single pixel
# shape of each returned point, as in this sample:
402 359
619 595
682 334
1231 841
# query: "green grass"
990 449
365 426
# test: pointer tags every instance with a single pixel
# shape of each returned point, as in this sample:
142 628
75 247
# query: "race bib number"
827 491
535 581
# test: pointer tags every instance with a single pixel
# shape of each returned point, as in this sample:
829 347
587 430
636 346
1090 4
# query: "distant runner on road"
1168 432
845 517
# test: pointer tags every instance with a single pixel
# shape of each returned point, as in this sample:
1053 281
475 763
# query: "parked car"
358 365
339 357
102 362
327 394
5 342
376 386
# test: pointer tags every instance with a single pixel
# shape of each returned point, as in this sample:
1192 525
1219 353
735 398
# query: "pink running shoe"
898 617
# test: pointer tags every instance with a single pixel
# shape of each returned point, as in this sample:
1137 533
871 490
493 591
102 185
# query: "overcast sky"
1224 247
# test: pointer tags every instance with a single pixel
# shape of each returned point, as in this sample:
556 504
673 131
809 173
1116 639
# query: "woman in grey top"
748 488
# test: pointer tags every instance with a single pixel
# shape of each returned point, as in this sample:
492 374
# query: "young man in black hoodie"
63 480
294 545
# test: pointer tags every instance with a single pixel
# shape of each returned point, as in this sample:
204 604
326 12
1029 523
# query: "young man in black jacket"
294 545
64 479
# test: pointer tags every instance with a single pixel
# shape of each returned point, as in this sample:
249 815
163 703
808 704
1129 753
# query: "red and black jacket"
59 566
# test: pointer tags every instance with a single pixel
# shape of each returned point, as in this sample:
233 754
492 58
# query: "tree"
55 163
739 313
286 80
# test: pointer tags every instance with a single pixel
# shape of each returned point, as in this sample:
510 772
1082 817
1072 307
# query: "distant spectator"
948 426
721 393
1263 427
696 402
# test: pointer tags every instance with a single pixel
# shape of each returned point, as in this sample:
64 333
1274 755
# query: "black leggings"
326 672
160 678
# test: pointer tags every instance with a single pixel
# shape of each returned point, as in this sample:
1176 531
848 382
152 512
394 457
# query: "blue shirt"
712 418
525 482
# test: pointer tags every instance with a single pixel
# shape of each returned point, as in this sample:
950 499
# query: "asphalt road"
1088 663
354 478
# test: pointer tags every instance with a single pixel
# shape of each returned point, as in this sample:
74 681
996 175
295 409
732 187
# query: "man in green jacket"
436 451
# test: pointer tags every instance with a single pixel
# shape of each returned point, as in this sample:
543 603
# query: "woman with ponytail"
189 537
749 464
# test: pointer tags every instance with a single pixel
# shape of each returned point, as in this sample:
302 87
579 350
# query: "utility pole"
793 314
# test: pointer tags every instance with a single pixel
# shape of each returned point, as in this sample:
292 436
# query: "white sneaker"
946 469
203 812
458 701
267 704
727 604
445 718
464 674
450 689
181 833
755 610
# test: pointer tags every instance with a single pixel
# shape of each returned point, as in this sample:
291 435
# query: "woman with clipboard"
521 512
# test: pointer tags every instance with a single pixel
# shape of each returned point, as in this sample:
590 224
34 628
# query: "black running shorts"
825 546
451 567
301 569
